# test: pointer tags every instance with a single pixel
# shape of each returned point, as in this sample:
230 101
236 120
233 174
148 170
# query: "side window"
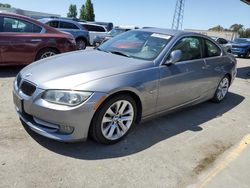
190 48
1 24
89 27
211 49
100 29
19 26
54 24
94 28
67 25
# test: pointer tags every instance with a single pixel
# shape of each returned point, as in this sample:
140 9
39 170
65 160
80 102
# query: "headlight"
68 98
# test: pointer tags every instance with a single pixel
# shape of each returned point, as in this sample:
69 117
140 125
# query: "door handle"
205 67
36 40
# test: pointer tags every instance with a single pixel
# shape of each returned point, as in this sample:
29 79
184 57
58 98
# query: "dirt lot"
170 151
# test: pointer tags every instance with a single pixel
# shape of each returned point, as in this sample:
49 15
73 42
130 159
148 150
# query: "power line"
178 15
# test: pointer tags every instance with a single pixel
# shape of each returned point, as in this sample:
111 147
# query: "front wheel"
222 90
114 119
81 44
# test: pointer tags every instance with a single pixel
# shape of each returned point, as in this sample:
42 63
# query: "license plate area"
18 102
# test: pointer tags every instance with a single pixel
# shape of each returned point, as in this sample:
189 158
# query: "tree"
245 33
72 11
82 12
5 5
88 13
216 28
236 27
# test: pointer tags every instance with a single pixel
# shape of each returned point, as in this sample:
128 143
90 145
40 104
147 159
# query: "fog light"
66 129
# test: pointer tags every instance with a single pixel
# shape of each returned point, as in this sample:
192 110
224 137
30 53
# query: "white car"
94 31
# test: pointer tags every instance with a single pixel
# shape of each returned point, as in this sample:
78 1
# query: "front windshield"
137 44
242 41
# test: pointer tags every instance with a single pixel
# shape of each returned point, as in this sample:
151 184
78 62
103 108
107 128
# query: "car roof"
87 23
58 19
44 20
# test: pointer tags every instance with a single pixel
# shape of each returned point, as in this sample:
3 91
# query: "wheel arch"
83 38
130 93
44 48
230 77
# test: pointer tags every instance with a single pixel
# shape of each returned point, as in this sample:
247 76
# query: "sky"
199 14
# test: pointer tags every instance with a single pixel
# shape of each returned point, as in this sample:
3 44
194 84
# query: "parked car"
108 25
224 42
114 32
241 47
80 33
132 77
24 40
94 30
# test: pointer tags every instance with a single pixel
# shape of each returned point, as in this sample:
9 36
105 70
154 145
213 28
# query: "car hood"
67 71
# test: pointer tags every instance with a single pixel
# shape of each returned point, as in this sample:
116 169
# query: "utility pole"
178 15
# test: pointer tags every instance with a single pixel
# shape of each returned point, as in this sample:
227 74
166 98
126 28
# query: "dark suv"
241 47
79 32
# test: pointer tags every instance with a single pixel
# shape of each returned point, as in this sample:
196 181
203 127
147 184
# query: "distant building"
223 34
32 14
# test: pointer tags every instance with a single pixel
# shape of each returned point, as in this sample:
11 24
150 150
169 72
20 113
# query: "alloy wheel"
222 89
117 120
47 54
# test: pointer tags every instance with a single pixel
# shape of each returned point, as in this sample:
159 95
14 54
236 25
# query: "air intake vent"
27 88
18 80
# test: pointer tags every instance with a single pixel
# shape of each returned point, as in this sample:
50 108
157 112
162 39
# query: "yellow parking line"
226 161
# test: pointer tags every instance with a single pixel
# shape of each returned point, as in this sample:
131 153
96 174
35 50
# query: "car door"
18 45
215 62
181 83
68 27
94 31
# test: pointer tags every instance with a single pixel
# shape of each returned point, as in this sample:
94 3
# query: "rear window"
211 49
93 28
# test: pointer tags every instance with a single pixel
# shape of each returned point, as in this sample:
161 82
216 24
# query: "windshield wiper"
119 53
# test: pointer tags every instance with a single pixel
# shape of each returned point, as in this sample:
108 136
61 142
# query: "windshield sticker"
157 35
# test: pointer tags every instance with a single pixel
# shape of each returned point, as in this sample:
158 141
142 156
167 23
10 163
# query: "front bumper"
49 119
239 51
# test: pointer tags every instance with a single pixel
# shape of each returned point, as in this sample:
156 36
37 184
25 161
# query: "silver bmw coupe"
103 92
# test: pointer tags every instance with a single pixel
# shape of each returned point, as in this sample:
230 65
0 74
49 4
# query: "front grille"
27 88
18 80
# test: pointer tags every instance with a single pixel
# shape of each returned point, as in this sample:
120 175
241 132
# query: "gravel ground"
169 151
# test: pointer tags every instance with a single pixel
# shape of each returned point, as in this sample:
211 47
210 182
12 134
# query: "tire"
48 52
247 55
221 90
109 126
81 44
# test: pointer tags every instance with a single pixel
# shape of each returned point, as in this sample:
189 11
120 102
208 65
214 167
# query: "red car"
24 40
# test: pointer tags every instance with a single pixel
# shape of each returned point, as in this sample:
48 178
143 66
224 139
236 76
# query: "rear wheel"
46 53
222 90
114 119
81 44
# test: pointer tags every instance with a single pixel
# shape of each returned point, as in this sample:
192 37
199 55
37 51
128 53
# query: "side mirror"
175 56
